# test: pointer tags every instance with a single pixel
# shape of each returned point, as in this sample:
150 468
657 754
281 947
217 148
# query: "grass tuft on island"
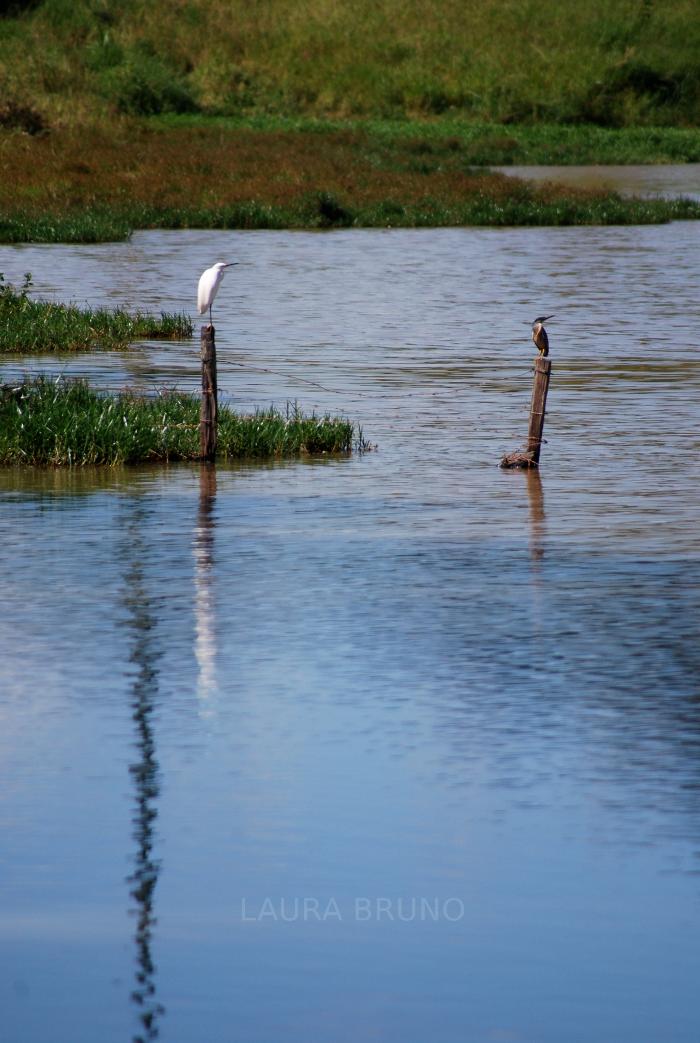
67 423
32 327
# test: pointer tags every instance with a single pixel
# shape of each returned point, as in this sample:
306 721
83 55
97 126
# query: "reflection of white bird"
209 284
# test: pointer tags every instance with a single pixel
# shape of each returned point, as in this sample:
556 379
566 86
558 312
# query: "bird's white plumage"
208 286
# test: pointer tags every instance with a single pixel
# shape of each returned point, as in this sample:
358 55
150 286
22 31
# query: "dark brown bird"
539 335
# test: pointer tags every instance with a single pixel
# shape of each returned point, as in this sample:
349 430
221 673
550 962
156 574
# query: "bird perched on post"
209 284
539 335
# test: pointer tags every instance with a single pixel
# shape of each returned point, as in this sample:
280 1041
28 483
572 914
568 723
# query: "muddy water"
396 747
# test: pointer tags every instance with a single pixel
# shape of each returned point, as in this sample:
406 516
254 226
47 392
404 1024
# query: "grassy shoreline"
97 184
31 327
56 423
482 143
325 211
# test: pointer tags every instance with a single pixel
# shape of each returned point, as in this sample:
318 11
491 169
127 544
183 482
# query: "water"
398 747
661 180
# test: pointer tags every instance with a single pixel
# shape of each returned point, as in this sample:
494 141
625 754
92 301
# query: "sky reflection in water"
406 675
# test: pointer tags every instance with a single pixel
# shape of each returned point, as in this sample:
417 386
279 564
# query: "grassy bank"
94 184
230 115
322 210
479 143
66 423
32 327
630 63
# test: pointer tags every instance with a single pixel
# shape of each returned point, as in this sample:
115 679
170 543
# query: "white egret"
209 284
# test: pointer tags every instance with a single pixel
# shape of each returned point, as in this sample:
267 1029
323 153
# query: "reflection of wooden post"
205 649
531 456
207 413
537 518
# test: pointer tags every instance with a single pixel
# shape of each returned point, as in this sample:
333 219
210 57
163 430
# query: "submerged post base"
519 460
530 457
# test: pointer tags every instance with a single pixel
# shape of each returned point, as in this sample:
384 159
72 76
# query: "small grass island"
29 326
67 423
63 422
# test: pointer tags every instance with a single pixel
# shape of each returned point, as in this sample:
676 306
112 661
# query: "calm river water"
398 747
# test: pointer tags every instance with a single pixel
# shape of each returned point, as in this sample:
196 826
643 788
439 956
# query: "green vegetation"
479 144
224 114
487 144
58 423
629 63
90 184
68 328
85 224
30 326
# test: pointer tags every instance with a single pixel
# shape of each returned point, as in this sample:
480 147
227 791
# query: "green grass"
66 423
225 114
93 184
627 63
479 143
31 326
91 224
38 326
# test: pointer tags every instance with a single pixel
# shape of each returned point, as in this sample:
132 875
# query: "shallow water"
660 180
399 746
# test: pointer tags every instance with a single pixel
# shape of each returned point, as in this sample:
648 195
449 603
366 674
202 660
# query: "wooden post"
540 387
208 411
531 456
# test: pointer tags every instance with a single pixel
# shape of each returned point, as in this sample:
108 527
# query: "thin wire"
162 389
278 373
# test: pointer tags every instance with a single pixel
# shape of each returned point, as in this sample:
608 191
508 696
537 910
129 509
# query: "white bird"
209 284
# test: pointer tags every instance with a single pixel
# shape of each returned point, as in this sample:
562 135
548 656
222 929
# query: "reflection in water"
145 772
537 518
205 637
439 685
538 534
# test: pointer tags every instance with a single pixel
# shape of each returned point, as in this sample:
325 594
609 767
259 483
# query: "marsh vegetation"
97 185
35 326
133 115
633 63
68 423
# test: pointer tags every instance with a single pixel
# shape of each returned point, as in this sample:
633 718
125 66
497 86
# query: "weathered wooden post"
530 457
208 410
